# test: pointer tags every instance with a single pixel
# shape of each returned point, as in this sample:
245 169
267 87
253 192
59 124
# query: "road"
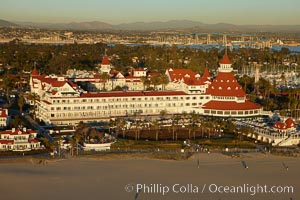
39 128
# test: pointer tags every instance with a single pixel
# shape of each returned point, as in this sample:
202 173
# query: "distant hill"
4 23
202 27
173 24
94 25
186 25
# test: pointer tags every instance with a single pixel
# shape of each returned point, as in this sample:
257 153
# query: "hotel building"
63 102
19 140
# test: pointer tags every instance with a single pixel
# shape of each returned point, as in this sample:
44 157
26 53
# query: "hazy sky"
122 11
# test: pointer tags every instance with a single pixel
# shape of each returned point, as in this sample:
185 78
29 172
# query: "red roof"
72 84
206 74
152 74
225 60
34 72
33 140
225 84
280 125
178 74
3 112
6 141
47 102
230 105
58 83
290 123
16 132
139 70
105 60
131 94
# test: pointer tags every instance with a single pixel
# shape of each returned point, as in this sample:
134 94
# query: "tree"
155 80
34 97
175 121
146 82
162 113
121 123
21 103
104 78
164 80
7 84
156 128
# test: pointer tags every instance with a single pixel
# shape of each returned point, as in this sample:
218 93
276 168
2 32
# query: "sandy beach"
195 178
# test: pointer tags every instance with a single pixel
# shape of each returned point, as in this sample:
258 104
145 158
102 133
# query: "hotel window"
213 112
187 98
227 113
240 112
220 112
187 104
206 111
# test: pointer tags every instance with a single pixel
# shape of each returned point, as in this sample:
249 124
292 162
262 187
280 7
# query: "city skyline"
273 12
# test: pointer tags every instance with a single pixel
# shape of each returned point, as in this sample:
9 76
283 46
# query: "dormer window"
229 88
236 88
220 88
227 81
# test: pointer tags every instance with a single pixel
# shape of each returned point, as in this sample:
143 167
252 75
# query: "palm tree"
21 102
163 113
121 123
146 82
34 97
175 120
194 119
155 80
104 78
164 80
156 128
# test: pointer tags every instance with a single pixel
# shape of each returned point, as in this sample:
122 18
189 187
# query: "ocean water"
295 49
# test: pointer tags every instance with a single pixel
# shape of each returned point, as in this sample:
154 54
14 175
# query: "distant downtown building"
63 102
